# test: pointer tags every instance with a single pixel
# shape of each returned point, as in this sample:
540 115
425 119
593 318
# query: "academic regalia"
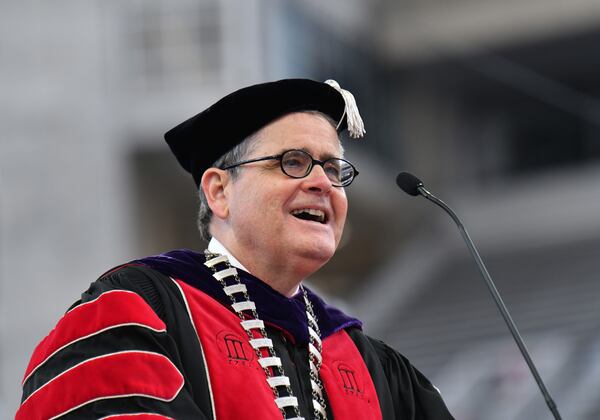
160 337
157 338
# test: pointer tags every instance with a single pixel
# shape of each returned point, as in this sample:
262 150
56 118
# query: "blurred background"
493 104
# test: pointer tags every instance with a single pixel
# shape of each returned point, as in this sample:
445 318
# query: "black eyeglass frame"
314 161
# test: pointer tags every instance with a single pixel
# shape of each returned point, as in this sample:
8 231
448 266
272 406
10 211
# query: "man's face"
263 200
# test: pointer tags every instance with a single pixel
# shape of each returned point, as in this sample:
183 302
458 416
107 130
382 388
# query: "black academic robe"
147 341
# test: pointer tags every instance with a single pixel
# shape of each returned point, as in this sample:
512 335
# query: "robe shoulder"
124 350
113 355
403 391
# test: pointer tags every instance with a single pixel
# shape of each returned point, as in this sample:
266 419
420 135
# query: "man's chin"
319 251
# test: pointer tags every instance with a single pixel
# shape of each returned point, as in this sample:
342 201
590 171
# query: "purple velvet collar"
274 308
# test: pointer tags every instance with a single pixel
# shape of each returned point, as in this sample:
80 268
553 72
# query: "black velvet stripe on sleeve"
114 340
179 344
182 407
164 297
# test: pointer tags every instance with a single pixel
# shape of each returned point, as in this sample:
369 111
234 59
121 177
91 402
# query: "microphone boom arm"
497 298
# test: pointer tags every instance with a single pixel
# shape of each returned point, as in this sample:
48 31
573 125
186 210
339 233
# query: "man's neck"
217 247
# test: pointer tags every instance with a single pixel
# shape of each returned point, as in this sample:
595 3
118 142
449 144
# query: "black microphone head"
409 183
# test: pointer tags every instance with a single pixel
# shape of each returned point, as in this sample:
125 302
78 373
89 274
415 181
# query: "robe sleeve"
112 357
413 395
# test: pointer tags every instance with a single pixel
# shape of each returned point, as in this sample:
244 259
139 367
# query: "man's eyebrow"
323 157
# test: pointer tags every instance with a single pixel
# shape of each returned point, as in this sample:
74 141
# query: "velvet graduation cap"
199 141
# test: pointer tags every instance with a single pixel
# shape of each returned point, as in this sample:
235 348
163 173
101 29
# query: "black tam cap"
199 141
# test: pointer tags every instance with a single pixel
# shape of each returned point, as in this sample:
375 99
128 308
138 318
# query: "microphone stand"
497 298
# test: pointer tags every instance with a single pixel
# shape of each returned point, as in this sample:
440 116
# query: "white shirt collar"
218 248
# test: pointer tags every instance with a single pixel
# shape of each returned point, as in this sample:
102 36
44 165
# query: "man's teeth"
311 214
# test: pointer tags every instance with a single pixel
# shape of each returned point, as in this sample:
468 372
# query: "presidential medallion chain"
263 345
315 350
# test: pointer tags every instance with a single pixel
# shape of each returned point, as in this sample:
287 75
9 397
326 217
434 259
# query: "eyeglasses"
298 164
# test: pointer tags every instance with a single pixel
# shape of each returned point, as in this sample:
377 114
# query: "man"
232 333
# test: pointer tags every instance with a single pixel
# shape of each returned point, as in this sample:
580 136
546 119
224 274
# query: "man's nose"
317 180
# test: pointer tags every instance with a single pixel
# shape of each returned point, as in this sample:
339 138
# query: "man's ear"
213 183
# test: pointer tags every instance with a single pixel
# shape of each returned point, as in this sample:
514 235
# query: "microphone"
412 185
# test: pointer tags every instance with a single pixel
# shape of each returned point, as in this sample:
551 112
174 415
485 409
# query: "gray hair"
238 153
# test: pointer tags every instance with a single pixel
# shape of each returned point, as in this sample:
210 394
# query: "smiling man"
232 333
283 229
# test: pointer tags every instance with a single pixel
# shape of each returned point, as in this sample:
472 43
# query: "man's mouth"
312 215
